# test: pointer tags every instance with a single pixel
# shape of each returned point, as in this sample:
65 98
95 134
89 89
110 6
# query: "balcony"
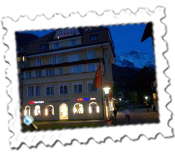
24 64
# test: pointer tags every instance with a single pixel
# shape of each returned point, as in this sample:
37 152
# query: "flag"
97 83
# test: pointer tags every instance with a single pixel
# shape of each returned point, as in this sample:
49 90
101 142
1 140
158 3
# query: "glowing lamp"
106 90
146 97
46 112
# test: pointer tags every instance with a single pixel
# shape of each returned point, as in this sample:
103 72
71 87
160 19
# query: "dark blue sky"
126 38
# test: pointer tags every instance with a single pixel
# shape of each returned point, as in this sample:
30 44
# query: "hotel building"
56 74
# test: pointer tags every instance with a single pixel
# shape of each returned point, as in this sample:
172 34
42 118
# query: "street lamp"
106 91
146 97
120 99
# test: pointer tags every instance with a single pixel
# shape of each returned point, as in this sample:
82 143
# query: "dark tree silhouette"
145 78
22 39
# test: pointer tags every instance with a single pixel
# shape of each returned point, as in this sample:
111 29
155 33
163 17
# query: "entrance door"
63 111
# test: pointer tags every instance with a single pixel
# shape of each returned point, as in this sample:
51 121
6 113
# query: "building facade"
56 74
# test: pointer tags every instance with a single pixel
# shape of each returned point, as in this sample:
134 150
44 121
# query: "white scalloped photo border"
83 135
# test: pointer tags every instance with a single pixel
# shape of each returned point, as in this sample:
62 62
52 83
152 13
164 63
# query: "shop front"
76 109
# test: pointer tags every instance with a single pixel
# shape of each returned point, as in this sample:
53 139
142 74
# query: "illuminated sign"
36 102
92 98
85 99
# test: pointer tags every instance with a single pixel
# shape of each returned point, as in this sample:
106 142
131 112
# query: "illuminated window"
49 110
154 96
63 111
94 108
18 59
23 58
37 110
27 110
78 108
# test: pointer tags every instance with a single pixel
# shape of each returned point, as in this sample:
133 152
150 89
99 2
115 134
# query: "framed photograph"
87 77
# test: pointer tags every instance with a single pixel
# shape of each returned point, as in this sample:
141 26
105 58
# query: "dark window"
50 72
38 90
93 38
43 47
38 73
59 71
78 88
90 88
30 91
50 90
63 89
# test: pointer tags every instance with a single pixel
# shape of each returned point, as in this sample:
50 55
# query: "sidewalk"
141 110
137 117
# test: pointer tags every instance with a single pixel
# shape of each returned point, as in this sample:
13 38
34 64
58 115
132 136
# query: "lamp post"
106 91
146 98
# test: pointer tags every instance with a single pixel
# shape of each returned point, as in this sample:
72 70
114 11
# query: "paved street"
137 117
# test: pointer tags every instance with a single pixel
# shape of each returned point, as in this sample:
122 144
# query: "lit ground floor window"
37 110
94 108
49 110
27 110
63 111
78 108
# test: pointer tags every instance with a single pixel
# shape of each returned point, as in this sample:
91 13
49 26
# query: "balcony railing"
24 64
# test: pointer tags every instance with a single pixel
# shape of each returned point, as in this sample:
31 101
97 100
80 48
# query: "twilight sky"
126 38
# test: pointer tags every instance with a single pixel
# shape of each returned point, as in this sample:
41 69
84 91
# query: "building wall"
67 77
83 55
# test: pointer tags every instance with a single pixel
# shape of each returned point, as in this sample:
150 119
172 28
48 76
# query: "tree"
145 78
